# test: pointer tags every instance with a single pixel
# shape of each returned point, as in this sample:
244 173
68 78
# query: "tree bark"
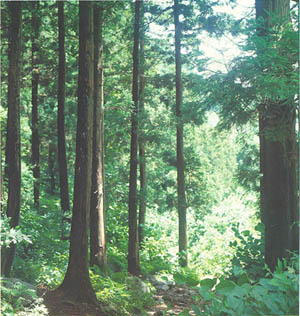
35 140
142 156
13 144
76 284
179 144
278 163
1 179
51 167
61 138
97 233
133 246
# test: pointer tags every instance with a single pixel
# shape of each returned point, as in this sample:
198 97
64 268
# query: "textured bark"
13 155
133 249
35 140
278 160
76 284
97 232
142 156
61 138
179 144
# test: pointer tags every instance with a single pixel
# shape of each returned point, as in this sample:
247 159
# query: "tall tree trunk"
179 149
76 284
35 140
142 156
61 138
1 179
13 144
51 167
279 202
97 232
133 246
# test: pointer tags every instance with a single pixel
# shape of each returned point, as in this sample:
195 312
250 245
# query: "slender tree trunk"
179 137
51 167
97 232
142 156
61 138
13 144
1 179
133 246
279 202
35 140
76 284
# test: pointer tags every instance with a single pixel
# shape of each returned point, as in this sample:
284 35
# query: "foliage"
17 299
249 249
222 165
275 294
11 235
253 79
248 173
154 255
122 293
187 276
211 248
45 259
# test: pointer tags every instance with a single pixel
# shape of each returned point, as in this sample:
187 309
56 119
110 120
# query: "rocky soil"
172 298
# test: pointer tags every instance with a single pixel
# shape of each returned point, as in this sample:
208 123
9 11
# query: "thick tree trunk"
61 139
142 156
279 204
179 149
133 247
35 140
76 284
13 155
97 233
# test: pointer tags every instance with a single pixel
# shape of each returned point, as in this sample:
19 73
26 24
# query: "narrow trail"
173 299
170 299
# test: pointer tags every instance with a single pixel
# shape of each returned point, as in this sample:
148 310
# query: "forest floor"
171 301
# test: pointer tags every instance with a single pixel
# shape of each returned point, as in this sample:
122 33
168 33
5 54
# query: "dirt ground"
172 301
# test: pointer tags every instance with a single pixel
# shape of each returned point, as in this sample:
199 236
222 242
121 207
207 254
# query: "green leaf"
206 295
243 279
234 303
259 292
197 310
267 284
184 313
225 287
208 283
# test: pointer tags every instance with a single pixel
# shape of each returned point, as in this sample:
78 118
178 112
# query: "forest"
149 157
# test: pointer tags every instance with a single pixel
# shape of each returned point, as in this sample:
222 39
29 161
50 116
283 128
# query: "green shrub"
11 235
18 299
186 276
249 251
122 293
275 294
154 256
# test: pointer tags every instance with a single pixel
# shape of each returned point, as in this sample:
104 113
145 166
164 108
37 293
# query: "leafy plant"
249 251
11 235
186 276
275 294
19 299
122 293
154 255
